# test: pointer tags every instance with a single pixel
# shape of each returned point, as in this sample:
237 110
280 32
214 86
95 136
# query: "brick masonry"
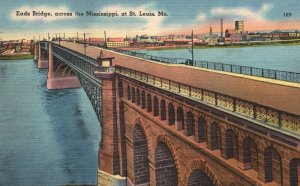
216 151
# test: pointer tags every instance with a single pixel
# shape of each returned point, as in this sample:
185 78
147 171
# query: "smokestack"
210 35
221 28
105 42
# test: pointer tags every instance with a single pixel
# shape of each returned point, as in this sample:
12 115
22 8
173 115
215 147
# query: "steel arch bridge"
84 68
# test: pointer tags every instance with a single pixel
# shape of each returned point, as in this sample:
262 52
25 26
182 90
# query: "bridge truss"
84 68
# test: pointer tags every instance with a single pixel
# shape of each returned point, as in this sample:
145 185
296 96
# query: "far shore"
16 56
235 45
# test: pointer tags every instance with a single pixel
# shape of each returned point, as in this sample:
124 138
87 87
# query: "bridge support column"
57 81
42 63
108 158
35 52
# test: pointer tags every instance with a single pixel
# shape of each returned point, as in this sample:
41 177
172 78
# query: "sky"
182 17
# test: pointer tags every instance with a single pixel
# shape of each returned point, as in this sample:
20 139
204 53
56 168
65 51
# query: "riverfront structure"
161 127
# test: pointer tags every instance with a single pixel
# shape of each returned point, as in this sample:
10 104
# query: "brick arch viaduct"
223 149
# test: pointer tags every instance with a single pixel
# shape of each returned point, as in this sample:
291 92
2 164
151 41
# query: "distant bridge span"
165 124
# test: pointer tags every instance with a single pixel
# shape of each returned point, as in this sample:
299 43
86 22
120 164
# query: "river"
284 58
47 137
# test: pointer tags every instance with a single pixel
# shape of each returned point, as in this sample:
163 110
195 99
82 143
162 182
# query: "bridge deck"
272 93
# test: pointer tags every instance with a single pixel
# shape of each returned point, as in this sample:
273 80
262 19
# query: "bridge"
172 124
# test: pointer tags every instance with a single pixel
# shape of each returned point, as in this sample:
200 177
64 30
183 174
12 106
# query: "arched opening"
165 168
162 110
202 132
149 103
199 178
128 92
180 119
171 114
190 126
250 154
143 100
273 166
138 97
133 94
140 155
156 109
215 134
295 172
231 145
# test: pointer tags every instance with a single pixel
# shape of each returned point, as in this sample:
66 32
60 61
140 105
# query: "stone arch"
295 172
180 119
201 135
231 142
138 96
250 154
133 95
140 156
128 92
149 103
171 114
167 171
143 100
215 135
273 165
202 167
199 178
163 110
156 107
190 124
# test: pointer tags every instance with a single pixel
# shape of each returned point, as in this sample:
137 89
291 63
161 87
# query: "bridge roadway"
268 92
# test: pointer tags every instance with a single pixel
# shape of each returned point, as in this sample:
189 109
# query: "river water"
47 137
284 58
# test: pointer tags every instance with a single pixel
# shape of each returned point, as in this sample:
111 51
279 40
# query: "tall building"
239 26
221 28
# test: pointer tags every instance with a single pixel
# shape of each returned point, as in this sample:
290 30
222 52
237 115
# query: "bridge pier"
35 58
109 161
59 80
42 63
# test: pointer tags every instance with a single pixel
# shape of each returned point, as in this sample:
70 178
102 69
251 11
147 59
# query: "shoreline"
16 56
237 45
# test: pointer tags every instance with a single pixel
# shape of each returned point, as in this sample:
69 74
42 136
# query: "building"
116 42
97 41
230 31
239 26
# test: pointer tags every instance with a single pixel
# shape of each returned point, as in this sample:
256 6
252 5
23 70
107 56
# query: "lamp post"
84 44
192 48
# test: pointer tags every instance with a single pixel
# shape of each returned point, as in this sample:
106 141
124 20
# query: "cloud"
153 23
201 17
42 13
242 12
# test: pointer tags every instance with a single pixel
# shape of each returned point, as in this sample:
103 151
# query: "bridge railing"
237 69
86 63
265 115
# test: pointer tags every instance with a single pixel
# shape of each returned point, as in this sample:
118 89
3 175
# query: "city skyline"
182 17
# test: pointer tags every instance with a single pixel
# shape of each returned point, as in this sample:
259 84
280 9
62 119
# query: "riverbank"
233 45
16 56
